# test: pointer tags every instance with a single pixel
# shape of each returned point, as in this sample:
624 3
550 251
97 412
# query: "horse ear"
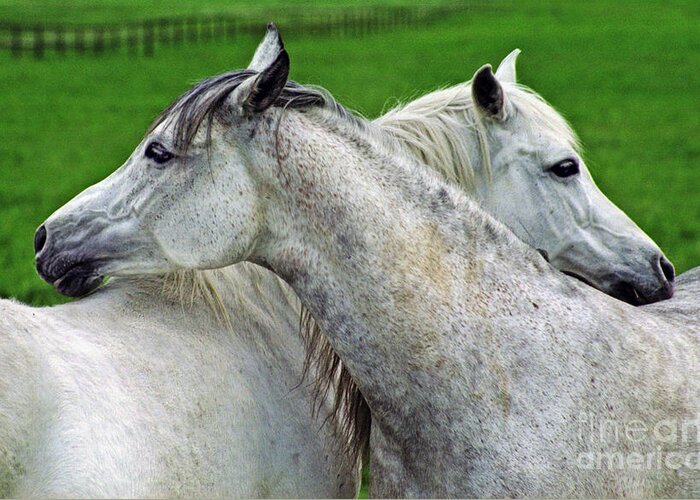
266 87
268 49
488 94
506 70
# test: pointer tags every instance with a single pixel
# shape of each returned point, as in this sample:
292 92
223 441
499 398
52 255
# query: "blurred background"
81 80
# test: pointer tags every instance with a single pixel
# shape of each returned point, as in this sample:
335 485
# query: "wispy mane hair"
204 99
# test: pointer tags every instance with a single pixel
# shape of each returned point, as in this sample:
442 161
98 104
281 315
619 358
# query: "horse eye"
157 152
565 168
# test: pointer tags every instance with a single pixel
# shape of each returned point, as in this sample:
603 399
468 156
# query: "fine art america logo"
635 444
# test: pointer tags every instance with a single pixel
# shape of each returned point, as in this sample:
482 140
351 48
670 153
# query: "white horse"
186 385
149 388
526 170
480 362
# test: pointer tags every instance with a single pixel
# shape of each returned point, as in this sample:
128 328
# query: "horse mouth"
78 281
72 279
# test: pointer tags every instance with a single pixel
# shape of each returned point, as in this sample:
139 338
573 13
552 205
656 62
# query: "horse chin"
626 292
632 295
78 281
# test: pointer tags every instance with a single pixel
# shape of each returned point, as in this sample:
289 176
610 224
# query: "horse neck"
376 246
445 131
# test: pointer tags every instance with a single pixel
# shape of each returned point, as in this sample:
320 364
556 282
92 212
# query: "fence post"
224 26
192 30
79 40
231 28
148 39
16 43
115 37
220 29
59 43
206 28
132 39
179 30
164 31
38 42
98 40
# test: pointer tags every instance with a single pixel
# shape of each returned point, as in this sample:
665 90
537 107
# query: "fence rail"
142 37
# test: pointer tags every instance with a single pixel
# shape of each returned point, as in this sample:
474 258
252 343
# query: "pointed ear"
506 70
265 88
488 94
268 49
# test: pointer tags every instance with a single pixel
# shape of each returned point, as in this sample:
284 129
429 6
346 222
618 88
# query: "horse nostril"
39 239
667 269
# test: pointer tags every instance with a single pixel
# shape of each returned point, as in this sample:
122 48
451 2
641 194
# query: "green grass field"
627 75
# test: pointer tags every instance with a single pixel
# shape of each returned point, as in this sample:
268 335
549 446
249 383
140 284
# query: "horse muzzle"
645 286
69 273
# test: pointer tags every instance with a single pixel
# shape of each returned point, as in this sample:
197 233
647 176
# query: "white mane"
432 128
221 290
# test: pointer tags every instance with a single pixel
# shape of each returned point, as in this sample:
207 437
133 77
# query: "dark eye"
565 168
157 152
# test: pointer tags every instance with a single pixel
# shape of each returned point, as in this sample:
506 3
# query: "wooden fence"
143 37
